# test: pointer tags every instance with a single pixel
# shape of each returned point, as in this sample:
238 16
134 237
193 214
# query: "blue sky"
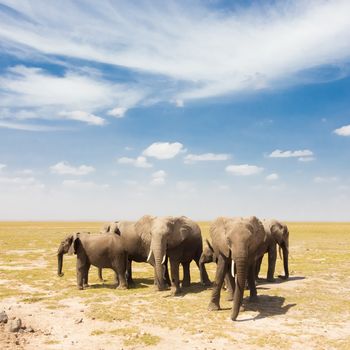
194 108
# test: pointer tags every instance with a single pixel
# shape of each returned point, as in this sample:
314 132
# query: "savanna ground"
310 311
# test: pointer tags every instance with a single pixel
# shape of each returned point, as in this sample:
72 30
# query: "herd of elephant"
237 246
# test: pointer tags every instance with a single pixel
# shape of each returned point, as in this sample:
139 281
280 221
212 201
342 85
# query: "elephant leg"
129 273
175 283
120 269
116 279
251 282
186 281
80 273
221 270
166 277
272 256
258 266
205 281
86 275
100 275
230 285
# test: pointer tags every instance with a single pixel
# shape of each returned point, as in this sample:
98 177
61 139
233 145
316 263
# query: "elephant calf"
276 233
100 250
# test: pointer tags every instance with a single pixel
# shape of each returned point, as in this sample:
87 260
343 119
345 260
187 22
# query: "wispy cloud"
322 179
164 150
139 162
343 131
2 166
158 178
82 185
27 127
291 154
214 52
272 177
64 168
32 93
244 169
193 158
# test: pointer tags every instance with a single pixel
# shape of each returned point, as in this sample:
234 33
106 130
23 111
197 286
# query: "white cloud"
163 150
192 158
179 103
32 93
26 127
64 168
306 159
320 179
244 169
83 117
2 166
158 178
272 177
291 154
81 185
214 52
117 112
21 182
343 131
139 162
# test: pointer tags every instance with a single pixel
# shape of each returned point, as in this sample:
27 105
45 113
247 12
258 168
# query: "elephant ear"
115 228
74 243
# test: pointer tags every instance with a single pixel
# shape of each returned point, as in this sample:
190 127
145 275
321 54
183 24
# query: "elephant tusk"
233 268
149 255
164 257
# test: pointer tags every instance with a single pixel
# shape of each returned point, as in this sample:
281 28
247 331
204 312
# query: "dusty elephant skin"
100 250
137 242
179 239
277 233
235 242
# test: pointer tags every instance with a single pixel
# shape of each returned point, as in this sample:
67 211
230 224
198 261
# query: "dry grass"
310 308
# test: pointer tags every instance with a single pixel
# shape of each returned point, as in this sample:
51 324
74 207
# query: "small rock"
47 333
82 310
30 330
3 317
30 315
65 336
15 326
79 320
17 342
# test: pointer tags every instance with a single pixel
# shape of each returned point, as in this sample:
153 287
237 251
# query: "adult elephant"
236 243
100 250
179 239
277 233
137 240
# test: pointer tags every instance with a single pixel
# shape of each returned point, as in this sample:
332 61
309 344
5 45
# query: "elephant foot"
80 288
186 284
213 306
86 286
253 299
102 280
122 287
175 292
160 288
283 277
60 274
131 283
270 279
206 283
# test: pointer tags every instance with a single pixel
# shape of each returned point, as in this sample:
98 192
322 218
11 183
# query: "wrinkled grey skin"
100 250
137 239
276 234
236 240
179 239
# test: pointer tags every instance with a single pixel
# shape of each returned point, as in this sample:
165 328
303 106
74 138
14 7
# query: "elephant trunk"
241 268
159 254
60 263
285 260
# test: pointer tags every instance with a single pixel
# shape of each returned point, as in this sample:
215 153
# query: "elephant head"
243 237
166 233
208 254
67 246
280 234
